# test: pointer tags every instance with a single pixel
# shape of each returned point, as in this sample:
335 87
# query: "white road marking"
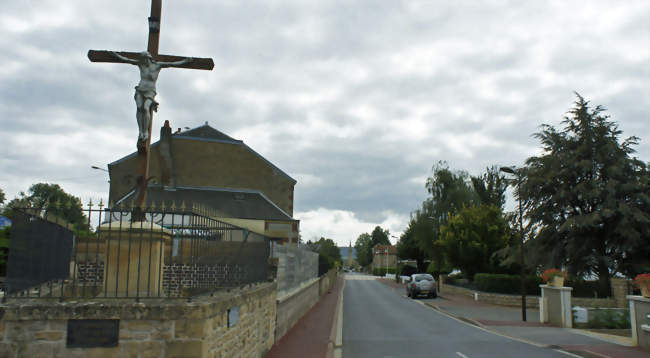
361 277
496 333
461 355
575 355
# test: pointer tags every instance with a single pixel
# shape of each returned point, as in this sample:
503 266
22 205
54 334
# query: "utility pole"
517 174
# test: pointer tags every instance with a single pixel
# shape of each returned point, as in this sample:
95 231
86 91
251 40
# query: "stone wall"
295 267
152 328
326 282
293 306
594 302
488 297
515 300
619 291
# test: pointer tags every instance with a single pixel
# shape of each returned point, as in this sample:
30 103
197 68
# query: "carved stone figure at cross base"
145 91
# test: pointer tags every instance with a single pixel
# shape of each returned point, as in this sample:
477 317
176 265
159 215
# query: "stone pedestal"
134 258
555 306
619 291
639 311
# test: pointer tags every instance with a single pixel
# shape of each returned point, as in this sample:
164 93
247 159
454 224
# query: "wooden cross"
142 171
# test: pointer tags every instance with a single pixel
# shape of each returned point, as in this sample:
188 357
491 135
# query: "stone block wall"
179 277
594 302
326 282
152 328
515 300
293 306
488 297
620 291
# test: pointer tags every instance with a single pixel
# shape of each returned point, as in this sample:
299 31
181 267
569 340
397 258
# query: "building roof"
227 203
380 249
208 134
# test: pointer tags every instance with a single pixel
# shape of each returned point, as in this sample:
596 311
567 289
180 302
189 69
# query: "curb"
580 354
334 345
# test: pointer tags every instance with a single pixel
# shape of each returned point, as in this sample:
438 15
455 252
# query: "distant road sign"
4 221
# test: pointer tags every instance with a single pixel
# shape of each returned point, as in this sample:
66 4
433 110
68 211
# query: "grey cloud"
298 73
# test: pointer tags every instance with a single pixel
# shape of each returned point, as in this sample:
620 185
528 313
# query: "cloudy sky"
357 100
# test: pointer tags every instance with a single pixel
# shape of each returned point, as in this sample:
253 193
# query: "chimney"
167 174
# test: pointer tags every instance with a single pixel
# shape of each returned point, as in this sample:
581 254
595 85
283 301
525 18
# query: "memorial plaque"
233 316
88 333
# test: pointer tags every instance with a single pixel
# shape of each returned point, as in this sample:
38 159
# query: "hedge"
408 270
589 289
509 284
382 271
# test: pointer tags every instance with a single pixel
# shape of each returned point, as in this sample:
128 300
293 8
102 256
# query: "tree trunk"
603 278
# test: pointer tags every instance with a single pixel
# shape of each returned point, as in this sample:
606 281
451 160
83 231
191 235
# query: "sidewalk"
310 336
507 321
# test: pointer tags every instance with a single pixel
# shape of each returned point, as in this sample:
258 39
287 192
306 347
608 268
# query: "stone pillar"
134 258
619 291
555 306
639 311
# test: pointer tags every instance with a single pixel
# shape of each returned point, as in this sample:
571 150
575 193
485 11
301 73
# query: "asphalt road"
379 322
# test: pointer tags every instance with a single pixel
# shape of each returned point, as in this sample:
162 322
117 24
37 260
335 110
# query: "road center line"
461 355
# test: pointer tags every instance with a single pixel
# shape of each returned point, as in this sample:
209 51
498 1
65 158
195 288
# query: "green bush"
432 270
453 278
408 270
509 284
382 271
609 319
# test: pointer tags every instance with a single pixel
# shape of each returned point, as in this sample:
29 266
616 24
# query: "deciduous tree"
363 245
53 202
472 236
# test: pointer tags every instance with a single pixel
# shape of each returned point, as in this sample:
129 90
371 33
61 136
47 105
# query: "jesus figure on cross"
145 91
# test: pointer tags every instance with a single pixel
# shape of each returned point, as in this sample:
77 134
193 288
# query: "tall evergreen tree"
380 236
588 197
490 188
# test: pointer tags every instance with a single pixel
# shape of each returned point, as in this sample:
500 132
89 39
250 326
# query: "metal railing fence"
174 253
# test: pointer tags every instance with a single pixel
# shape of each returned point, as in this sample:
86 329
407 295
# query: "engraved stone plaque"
233 316
87 333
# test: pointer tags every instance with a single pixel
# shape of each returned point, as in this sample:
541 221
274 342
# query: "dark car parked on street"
421 284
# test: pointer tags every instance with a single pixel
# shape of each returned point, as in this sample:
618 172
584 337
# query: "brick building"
384 256
207 167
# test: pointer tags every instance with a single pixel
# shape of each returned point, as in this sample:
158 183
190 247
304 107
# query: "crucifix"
150 63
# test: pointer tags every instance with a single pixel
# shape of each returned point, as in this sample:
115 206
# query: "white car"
421 284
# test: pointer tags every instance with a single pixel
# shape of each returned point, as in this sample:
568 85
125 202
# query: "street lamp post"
98 168
389 246
517 174
438 260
